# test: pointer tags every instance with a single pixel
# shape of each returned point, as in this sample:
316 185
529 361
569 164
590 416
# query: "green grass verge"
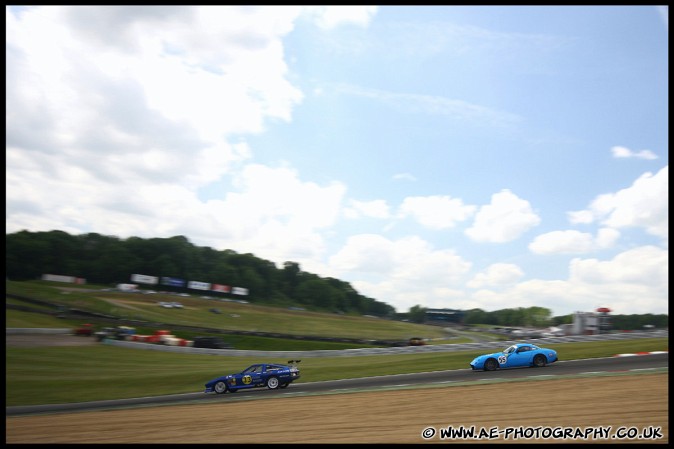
233 316
53 375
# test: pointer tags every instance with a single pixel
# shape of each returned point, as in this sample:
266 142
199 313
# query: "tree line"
109 260
539 317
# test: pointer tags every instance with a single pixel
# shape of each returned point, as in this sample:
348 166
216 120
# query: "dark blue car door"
251 377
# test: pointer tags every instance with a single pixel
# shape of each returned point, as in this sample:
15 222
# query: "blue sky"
443 156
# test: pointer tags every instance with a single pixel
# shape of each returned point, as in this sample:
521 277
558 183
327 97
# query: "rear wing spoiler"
293 362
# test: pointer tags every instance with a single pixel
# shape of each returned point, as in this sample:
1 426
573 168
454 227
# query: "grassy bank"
198 311
53 375
49 375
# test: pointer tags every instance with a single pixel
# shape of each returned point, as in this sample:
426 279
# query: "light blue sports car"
516 356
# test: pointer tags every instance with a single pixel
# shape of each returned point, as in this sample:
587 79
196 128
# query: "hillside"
96 304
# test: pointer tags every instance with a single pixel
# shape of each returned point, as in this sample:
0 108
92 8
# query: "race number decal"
246 379
502 359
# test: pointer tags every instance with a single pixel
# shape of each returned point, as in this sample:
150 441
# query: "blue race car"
515 356
270 375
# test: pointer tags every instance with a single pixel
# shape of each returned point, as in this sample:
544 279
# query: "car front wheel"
272 383
490 365
220 387
540 361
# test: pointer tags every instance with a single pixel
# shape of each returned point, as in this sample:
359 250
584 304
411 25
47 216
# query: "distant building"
604 320
443 316
585 323
591 323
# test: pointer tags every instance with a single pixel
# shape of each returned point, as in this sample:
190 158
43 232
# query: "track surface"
315 413
637 402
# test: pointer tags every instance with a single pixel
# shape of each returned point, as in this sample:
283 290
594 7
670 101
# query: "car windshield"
510 349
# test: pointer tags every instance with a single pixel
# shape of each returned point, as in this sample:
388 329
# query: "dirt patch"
639 402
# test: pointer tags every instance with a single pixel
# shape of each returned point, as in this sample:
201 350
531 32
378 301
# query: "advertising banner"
221 288
172 282
196 285
144 279
59 278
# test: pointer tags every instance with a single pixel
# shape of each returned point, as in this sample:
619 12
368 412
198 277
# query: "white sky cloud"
645 204
375 209
436 212
497 274
506 218
404 177
170 120
622 152
573 242
332 16
406 271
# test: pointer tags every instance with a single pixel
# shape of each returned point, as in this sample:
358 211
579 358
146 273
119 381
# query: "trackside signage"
196 285
173 282
144 279
60 278
220 288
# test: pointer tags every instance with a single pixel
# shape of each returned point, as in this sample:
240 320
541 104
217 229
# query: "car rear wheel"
490 365
220 387
540 361
272 383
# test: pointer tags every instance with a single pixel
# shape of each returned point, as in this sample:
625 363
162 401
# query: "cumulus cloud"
401 271
157 112
272 210
119 132
633 282
573 242
373 209
132 121
643 265
498 274
436 212
606 238
622 153
404 177
506 218
332 16
645 204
